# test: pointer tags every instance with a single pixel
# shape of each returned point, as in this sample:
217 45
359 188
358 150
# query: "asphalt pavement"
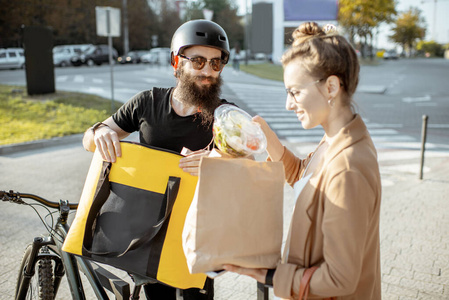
414 225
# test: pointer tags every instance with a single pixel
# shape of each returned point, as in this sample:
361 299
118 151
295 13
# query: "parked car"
12 58
63 54
391 54
160 56
133 57
94 55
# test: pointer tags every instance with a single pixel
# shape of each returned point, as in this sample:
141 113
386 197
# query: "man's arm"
106 137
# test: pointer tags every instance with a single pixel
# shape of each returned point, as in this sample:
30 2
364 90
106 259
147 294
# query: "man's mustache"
201 78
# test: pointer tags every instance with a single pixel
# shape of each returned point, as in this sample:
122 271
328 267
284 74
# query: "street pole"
246 32
108 26
425 118
434 33
125 28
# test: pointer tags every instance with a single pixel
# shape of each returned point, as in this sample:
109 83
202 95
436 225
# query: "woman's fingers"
257 274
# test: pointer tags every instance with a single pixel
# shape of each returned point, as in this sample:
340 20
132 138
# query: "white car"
159 56
12 58
391 54
63 54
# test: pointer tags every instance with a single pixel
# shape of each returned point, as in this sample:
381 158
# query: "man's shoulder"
156 94
224 101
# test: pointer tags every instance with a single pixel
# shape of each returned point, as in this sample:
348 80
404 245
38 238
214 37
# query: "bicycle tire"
41 284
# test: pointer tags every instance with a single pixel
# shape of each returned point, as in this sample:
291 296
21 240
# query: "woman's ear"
333 85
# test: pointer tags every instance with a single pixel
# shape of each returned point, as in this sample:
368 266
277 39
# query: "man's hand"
108 143
258 274
191 162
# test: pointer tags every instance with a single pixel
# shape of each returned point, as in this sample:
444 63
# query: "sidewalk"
414 233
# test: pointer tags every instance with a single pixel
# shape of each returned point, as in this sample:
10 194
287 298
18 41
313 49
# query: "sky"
440 35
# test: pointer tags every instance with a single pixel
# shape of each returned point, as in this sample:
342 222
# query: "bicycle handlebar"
16 197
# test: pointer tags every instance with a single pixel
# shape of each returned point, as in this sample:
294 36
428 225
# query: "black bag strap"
102 193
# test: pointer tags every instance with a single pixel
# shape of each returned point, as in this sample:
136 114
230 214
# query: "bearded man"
174 118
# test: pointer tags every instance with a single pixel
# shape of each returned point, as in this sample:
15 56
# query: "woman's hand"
191 162
275 148
258 274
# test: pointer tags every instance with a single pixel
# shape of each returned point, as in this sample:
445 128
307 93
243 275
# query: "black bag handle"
102 193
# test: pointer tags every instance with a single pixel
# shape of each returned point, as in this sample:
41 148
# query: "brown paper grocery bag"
235 216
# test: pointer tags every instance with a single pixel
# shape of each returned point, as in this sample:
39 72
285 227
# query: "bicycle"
44 264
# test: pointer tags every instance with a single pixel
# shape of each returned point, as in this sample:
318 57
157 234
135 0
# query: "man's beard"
205 97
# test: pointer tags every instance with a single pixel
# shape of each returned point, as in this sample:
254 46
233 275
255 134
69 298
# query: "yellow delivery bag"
131 215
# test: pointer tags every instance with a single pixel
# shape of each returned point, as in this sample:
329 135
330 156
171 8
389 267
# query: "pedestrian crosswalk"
269 103
392 145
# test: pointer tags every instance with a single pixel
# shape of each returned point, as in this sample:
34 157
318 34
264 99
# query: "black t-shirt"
151 113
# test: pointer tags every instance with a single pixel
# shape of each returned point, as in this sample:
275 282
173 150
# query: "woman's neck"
339 118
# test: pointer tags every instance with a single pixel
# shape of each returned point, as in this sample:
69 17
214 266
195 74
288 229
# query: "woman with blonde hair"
333 248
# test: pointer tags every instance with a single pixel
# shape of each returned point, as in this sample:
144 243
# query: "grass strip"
26 118
264 70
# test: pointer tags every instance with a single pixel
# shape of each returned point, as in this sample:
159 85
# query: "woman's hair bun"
306 31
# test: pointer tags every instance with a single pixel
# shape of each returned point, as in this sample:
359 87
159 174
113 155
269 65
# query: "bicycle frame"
68 264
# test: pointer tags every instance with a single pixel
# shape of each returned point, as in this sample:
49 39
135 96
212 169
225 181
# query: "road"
392 98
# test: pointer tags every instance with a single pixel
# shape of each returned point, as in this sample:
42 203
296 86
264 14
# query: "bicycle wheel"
41 283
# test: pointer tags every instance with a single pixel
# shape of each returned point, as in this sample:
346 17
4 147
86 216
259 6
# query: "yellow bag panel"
74 240
133 168
173 246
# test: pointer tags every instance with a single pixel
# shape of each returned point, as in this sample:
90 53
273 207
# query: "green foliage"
409 27
360 18
225 14
73 21
24 118
430 48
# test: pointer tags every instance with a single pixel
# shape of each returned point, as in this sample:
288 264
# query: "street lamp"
434 30
246 32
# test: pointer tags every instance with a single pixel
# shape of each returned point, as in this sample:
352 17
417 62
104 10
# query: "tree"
225 14
409 28
142 24
168 23
430 48
361 18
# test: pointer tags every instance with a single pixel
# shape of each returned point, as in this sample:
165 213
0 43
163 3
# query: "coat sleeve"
349 205
293 166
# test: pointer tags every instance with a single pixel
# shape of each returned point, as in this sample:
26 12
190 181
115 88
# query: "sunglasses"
199 62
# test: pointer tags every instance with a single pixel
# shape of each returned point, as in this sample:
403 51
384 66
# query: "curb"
40 144
371 89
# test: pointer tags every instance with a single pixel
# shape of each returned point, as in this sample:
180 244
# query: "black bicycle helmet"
200 33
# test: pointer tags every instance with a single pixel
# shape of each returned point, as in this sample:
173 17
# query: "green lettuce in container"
235 133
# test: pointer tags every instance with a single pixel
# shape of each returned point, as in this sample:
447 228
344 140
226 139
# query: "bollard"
423 143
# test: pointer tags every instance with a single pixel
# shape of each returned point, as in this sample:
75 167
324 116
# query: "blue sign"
310 10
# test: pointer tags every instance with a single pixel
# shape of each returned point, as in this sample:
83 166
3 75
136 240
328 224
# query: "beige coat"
335 223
